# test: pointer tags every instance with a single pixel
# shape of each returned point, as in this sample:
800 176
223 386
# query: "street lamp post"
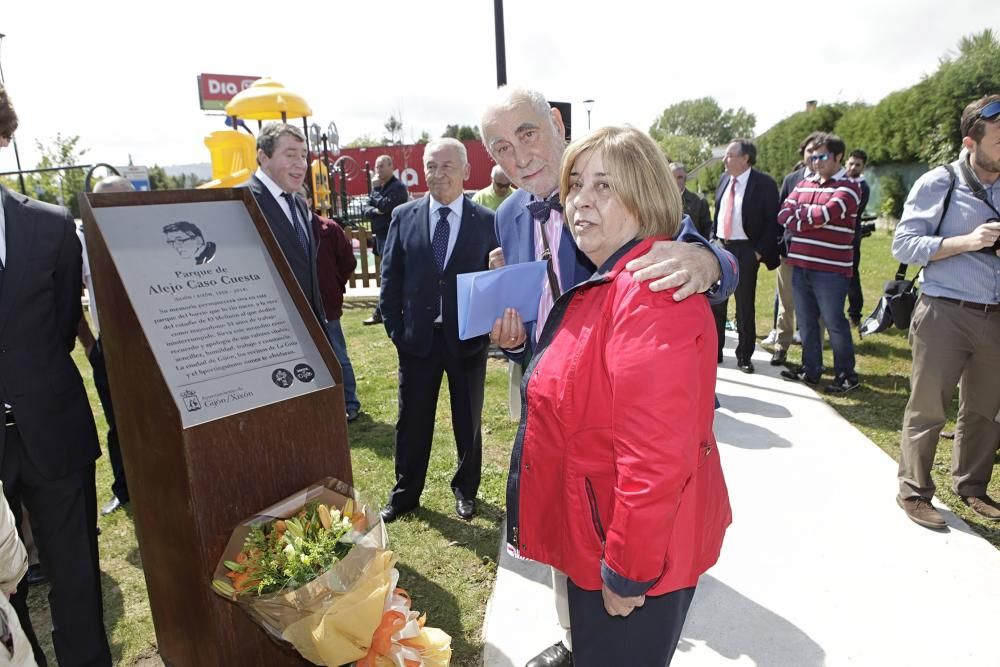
588 105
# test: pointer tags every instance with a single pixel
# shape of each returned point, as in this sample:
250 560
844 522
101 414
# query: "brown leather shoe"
984 506
920 510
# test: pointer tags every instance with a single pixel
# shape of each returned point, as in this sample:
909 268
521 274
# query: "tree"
921 123
394 131
425 137
59 187
364 141
462 132
691 151
159 179
704 119
778 148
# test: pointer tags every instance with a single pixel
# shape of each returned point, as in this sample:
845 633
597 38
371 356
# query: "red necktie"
727 213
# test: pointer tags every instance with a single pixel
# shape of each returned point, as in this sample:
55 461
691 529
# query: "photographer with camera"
855 166
950 227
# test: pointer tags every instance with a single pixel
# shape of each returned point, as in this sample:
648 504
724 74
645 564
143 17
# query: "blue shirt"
969 276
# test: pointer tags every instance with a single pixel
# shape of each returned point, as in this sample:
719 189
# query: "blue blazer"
412 284
515 230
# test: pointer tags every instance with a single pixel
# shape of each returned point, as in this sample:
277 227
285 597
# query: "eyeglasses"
990 111
176 242
820 157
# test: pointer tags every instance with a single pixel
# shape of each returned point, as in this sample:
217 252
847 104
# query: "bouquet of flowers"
313 570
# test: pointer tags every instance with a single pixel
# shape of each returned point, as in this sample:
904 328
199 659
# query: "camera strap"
901 271
978 191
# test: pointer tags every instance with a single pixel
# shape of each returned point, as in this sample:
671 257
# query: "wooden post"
191 486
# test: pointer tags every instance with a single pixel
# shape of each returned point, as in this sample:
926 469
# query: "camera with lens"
867 226
996 244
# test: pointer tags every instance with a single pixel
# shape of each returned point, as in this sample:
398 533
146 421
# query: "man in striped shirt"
821 214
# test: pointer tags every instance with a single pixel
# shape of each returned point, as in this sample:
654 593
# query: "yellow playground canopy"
267 99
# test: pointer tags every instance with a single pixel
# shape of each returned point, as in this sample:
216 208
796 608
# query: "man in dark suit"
746 212
695 207
855 165
282 154
430 242
48 444
388 192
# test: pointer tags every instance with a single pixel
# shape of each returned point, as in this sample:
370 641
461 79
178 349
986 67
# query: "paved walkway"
820 566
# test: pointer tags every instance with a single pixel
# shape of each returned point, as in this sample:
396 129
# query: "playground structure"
234 152
234 160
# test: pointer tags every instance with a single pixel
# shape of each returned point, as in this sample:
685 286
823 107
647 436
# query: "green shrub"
893 196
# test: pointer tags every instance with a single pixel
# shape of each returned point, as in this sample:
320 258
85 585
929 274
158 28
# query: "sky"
122 75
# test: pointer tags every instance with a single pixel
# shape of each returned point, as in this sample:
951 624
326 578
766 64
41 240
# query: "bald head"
500 178
114 184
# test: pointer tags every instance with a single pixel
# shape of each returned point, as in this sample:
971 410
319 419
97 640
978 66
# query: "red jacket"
615 475
335 263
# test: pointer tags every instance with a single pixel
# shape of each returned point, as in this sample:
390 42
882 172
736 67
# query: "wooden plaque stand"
190 487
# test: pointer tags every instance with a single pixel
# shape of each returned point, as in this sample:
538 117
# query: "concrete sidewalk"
820 566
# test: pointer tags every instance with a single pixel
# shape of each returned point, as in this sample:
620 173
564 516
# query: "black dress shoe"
556 655
778 358
745 366
35 576
113 505
465 508
376 318
390 513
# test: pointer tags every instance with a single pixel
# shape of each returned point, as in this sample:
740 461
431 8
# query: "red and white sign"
215 90
408 162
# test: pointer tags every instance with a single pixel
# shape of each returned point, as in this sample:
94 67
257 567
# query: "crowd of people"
638 276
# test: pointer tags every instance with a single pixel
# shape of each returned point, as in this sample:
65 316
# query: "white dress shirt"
737 232
3 233
276 192
454 222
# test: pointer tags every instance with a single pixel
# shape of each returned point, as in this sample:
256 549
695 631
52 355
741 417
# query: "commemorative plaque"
227 397
225 337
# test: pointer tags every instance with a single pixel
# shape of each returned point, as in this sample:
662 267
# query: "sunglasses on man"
820 157
990 112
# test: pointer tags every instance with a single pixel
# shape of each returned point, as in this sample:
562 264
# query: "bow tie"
541 208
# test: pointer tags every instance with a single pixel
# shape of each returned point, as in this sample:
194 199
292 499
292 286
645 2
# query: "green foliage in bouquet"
289 553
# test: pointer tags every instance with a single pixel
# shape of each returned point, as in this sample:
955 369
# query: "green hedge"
917 124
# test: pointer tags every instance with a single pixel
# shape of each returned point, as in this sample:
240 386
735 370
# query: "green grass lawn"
449 565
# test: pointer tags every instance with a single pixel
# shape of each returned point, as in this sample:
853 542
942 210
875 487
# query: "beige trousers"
951 345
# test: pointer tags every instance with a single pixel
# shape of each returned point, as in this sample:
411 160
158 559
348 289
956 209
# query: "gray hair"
383 158
434 144
497 169
268 138
114 183
508 98
674 166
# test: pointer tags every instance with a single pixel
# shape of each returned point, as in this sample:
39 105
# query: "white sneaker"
771 339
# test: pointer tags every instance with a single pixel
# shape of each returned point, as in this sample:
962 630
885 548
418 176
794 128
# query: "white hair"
434 144
508 98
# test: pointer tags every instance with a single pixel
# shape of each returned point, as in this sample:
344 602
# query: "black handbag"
899 296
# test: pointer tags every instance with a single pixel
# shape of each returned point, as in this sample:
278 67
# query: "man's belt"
734 241
981 307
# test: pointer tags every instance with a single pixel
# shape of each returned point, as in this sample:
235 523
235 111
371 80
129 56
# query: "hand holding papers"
483 296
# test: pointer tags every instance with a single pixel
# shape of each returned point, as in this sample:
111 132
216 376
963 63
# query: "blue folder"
483 296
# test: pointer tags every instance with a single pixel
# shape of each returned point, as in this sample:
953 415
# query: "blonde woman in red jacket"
615 476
